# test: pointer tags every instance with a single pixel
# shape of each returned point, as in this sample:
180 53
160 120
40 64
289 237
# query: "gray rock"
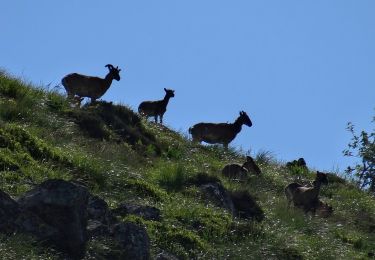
97 228
9 211
97 209
133 240
246 206
146 212
216 193
28 222
63 206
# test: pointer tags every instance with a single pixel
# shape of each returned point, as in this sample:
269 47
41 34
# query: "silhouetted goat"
297 163
306 197
221 133
156 108
87 86
241 172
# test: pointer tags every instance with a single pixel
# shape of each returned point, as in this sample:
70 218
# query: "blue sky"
300 69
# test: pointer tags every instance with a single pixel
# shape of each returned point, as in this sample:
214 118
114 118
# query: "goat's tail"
190 130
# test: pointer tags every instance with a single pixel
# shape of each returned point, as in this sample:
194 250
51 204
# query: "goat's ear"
165 89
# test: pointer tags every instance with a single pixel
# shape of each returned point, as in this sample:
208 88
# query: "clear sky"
300 69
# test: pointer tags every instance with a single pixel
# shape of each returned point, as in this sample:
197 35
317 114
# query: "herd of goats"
79 86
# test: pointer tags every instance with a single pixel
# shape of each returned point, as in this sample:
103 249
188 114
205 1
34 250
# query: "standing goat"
306 197
241 172
222 133
156 108
87 86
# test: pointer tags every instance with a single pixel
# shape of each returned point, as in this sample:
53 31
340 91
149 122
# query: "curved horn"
109 66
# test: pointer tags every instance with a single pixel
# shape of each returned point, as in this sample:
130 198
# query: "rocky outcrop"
218 195
9 210
133 239
239 204
63 206
65 215
246 206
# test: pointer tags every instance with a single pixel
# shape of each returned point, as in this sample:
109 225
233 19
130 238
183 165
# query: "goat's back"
291 189
151 108
213 133
234 171
81 85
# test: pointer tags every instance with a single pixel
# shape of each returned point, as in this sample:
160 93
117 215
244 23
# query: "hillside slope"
122 158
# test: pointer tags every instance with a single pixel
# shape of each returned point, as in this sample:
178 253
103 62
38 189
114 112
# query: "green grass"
121 158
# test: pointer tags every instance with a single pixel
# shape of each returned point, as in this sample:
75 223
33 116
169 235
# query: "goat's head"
322 177
301 162
249 159
245 119
169 92
115 72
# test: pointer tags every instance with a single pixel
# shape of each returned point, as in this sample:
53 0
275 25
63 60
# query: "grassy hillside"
123 158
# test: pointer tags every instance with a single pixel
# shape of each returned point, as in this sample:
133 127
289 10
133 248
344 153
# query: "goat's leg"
161 119
156 118
225 146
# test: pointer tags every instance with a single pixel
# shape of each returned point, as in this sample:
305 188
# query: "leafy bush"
362 146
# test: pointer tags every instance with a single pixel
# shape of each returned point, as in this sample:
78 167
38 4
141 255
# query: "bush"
362 146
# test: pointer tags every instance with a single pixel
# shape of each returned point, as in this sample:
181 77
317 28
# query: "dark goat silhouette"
221 133
88 86
156 108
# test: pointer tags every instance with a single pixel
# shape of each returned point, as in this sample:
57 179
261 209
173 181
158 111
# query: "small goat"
323 209
222 133
251 166
297 163
156 108
241 172
306 197
87 86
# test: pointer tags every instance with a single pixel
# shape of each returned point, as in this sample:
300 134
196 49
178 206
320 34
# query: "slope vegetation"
122 158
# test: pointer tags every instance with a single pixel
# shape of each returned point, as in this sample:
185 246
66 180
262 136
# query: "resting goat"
87 86
222 133
306 197
156 108
241 172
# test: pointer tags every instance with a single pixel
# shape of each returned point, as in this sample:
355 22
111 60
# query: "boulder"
9 210
146 212
28 222
216 193
133 240
246 206
63 206
98 210
97 228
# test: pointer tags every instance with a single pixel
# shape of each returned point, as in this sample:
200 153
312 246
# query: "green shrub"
171 177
